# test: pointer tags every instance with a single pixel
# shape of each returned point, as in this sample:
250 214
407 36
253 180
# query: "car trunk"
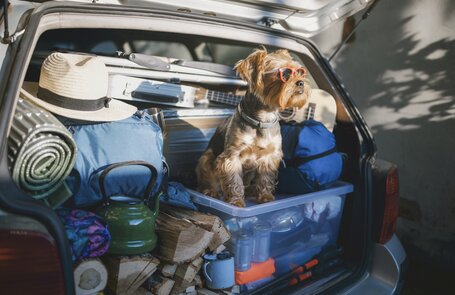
197 37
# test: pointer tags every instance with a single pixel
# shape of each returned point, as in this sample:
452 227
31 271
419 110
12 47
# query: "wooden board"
205 292
208 222
127 273
167 269
180 240
159 285
187 272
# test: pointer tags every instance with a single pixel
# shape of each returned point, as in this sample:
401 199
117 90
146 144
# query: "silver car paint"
383 275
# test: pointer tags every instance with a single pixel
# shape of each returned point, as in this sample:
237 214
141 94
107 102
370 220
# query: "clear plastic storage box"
288 231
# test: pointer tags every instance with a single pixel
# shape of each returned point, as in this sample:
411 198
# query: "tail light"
389 222
29 263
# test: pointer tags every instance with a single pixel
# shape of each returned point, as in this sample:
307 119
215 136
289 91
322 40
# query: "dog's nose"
300 83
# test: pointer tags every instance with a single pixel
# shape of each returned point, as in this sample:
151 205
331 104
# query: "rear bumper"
386 273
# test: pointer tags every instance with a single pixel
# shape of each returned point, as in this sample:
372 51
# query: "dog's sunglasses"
286 73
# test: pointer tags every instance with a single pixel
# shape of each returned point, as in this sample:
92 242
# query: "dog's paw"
251 191
238 202
212 193
265 198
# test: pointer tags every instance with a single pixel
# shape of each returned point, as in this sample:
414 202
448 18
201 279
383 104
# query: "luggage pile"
100 164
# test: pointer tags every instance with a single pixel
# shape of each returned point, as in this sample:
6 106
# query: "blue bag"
130 146
310 158
177 196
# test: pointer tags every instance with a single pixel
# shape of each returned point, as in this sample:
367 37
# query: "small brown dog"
244 154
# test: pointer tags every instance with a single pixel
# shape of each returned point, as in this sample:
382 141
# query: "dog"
244 154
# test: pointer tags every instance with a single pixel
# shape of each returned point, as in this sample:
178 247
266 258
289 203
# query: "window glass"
106 47
162 48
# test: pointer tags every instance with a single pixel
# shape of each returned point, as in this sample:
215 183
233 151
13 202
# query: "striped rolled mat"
41 151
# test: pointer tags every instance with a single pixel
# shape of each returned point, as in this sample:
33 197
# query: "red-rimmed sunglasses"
286 73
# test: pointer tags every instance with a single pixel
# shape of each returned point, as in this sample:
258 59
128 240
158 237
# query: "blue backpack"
310 158
116 158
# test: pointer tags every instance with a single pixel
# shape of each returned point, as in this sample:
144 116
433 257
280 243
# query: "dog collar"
256 123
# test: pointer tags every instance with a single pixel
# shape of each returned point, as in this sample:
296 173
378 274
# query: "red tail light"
389 222
29 263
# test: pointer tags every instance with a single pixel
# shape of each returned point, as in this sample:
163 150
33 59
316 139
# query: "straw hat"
75 86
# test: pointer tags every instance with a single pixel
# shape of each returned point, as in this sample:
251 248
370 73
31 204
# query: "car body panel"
16 11
383 272
305 18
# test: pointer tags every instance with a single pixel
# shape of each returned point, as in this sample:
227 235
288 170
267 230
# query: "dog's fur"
241 159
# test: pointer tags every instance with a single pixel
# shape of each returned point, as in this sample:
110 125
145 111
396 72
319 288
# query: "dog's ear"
251 68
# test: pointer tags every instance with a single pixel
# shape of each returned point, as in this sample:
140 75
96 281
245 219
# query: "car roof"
303 18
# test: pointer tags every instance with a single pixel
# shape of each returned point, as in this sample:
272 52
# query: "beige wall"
400 70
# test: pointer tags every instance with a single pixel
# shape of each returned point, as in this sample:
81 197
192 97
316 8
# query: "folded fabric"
87 233
287 262
41 151
177 195
256 272
299 253
326 208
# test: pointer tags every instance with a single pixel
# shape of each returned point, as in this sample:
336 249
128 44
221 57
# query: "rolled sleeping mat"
41 152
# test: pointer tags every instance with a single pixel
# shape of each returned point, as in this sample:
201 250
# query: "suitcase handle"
151 183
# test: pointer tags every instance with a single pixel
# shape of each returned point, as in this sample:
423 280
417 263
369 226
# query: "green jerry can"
130 220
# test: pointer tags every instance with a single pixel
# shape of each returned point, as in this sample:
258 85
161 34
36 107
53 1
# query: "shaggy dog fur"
243 159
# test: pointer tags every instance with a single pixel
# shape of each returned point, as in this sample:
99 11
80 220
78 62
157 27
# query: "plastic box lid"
281 201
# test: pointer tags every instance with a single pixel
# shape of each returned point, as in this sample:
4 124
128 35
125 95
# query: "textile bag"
310 158
120 143
87 233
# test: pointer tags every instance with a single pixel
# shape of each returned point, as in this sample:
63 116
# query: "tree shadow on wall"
406 87
426 69
395 71
401 74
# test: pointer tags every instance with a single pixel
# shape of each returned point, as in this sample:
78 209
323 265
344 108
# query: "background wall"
400 70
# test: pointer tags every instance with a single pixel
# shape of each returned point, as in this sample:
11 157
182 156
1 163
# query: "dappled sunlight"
410 87
400 73
420 87
406 63
437 54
